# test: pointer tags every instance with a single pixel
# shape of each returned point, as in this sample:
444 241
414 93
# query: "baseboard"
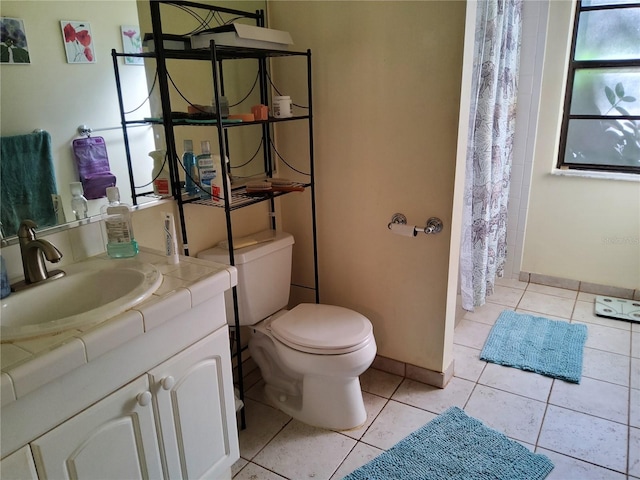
580 286
413 372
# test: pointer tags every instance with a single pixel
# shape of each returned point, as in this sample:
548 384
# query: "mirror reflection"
51 95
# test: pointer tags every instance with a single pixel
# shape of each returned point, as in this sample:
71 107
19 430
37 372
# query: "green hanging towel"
27 181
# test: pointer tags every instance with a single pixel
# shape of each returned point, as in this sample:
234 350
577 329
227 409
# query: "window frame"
573 67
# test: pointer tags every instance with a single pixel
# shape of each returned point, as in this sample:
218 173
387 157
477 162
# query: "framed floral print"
13 41
78 42
131 43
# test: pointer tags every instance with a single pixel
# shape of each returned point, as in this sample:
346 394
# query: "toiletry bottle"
79 203
160 173
5 286
206 169
117 222
217 188
190 168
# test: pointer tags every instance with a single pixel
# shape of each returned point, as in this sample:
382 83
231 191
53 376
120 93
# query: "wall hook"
84 130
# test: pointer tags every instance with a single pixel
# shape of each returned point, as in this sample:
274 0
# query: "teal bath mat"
454 446
536 344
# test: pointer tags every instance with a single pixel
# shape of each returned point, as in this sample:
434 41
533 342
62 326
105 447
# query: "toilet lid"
324 329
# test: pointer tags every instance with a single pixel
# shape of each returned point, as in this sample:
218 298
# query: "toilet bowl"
311 356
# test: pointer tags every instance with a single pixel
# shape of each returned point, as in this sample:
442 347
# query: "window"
601 122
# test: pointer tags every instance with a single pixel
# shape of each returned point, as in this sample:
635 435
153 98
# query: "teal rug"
536 344
454 446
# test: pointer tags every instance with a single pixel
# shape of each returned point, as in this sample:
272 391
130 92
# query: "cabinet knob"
168 382
144 398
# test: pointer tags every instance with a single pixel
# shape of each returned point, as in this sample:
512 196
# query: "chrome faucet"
33 251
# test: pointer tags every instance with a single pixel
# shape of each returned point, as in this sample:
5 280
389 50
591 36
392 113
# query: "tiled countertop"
29 364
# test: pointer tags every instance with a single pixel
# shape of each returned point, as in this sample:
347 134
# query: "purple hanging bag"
93 166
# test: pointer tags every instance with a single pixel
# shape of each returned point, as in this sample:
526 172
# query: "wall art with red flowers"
131 43
78 42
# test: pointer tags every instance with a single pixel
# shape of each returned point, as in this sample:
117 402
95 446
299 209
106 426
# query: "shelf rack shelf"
237 198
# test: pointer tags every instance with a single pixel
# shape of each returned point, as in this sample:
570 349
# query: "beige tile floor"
589 431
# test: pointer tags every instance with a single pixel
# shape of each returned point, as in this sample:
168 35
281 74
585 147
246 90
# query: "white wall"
578 228
534 22
386 98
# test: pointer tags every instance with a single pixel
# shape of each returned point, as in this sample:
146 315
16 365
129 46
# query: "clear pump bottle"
79 203
117 222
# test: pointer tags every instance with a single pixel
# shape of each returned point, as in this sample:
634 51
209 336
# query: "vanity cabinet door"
194 399
113 439
18 466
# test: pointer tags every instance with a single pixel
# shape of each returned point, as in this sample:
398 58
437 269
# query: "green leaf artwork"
13 41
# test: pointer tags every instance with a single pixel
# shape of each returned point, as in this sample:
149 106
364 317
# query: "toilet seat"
322 329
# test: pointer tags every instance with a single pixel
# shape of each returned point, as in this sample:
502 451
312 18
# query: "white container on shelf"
282 107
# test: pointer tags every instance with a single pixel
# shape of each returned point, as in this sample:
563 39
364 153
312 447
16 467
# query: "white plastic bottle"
160 173
117 222
79 203
217 188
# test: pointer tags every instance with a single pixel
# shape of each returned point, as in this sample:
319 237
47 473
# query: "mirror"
56 96
50 94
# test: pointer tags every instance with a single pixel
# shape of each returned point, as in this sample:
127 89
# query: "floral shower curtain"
490 146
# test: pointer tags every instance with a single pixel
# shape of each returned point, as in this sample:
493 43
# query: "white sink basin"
89 293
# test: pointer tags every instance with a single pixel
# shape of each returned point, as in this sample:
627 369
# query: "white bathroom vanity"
147 393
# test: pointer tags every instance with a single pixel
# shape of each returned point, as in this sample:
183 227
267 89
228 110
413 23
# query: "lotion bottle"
117 222
217 187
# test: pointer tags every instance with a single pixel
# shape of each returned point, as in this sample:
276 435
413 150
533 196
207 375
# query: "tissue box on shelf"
241 35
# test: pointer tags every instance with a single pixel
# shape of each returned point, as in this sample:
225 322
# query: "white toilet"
310 356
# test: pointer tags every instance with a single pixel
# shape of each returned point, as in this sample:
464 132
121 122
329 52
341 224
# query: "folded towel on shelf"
27 181
93 166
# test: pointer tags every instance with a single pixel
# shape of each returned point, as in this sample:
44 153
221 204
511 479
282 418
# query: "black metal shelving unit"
238 198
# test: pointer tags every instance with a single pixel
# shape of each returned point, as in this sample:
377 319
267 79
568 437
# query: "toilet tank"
264 274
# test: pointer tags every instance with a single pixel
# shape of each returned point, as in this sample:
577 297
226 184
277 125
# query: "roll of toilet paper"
404 230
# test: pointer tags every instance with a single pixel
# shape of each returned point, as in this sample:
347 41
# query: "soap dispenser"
117 222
